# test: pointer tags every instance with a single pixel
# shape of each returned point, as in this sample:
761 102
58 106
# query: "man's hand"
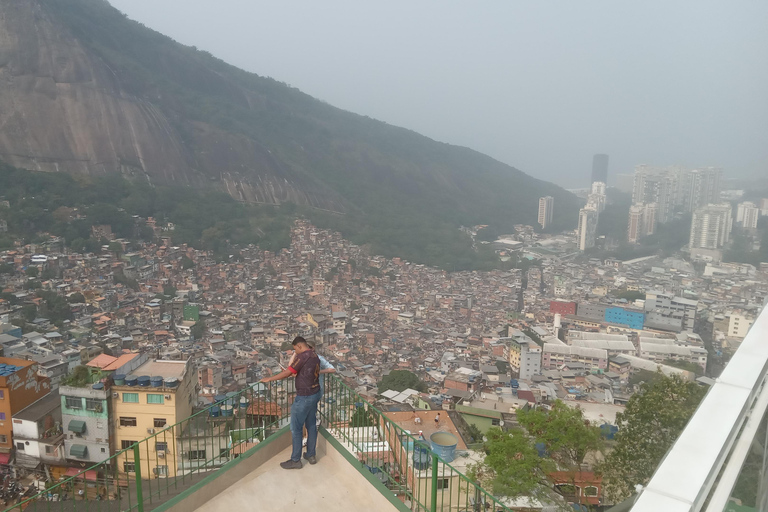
264 380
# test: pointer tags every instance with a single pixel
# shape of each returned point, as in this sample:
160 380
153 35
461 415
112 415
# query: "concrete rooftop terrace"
257 482
161 368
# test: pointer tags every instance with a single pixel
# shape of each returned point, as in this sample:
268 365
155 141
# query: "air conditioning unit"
161 454
150 431
167 397
115 395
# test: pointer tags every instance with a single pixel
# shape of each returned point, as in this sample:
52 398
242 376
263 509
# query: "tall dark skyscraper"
600 168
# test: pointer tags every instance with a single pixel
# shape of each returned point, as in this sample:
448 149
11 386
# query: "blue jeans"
304 414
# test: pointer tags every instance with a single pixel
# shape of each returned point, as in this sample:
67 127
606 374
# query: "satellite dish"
485 439
501 423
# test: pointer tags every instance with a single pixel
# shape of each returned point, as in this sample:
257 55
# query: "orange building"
20 385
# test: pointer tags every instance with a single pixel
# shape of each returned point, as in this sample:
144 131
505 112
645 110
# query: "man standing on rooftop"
306 368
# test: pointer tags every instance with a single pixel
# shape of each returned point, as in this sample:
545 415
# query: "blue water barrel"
144 381
444 445
219 398
119 379
232 399
157 382
131 380
226 410
171 383
243 402
98 385
214 411
421 456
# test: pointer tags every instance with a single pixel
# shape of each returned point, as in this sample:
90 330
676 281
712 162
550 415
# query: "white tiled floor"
332 484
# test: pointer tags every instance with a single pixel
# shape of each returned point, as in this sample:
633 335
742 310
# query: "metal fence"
145 474
402 461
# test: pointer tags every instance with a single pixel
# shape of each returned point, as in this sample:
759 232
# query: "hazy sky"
541 86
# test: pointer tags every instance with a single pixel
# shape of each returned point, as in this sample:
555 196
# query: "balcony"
227 456
721 457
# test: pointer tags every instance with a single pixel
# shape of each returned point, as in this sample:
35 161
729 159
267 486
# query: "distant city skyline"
541 87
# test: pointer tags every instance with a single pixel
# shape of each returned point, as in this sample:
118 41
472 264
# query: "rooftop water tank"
214 411
157 382
143 381
232 399
243 402
119 379
219 398
131 380
226 410
421 456
98 385
171 383
444 445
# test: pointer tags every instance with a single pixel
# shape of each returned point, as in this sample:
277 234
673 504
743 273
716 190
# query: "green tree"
29 312
567 436
48 273
650 424
512 467
76 298
32 271
198 329
475 433
186 262
6 268
169 291
362 418
116 247
400 380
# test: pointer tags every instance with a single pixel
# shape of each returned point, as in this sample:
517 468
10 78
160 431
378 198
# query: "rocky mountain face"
84 90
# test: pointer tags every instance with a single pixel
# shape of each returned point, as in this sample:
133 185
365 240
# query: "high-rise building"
656 185
642 221
587 228
597 197
710 227
747 214
764 206
546 207
600 168
635 226
700 187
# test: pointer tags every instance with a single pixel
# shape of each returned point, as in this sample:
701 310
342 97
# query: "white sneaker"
304 442
318 422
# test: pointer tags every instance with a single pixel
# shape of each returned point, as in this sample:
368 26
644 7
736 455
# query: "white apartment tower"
597 197
747 214
587 229
711 227
546 207
635 226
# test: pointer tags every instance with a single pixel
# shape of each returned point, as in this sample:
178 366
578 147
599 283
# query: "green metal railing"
403 463
146 474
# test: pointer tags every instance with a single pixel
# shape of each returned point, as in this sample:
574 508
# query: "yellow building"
155 395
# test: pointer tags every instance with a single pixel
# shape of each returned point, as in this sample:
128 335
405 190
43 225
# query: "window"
129 467
160 422
2 394
495 421
93 404
197 455
161 470
2 415
127 422
223 452
73 402
103 450
130 398
48 449
17 422
442 483
590 491
20 446
125 444
3 439
154 398
161 447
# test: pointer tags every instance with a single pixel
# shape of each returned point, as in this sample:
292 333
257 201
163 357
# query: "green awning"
79 450
77 426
